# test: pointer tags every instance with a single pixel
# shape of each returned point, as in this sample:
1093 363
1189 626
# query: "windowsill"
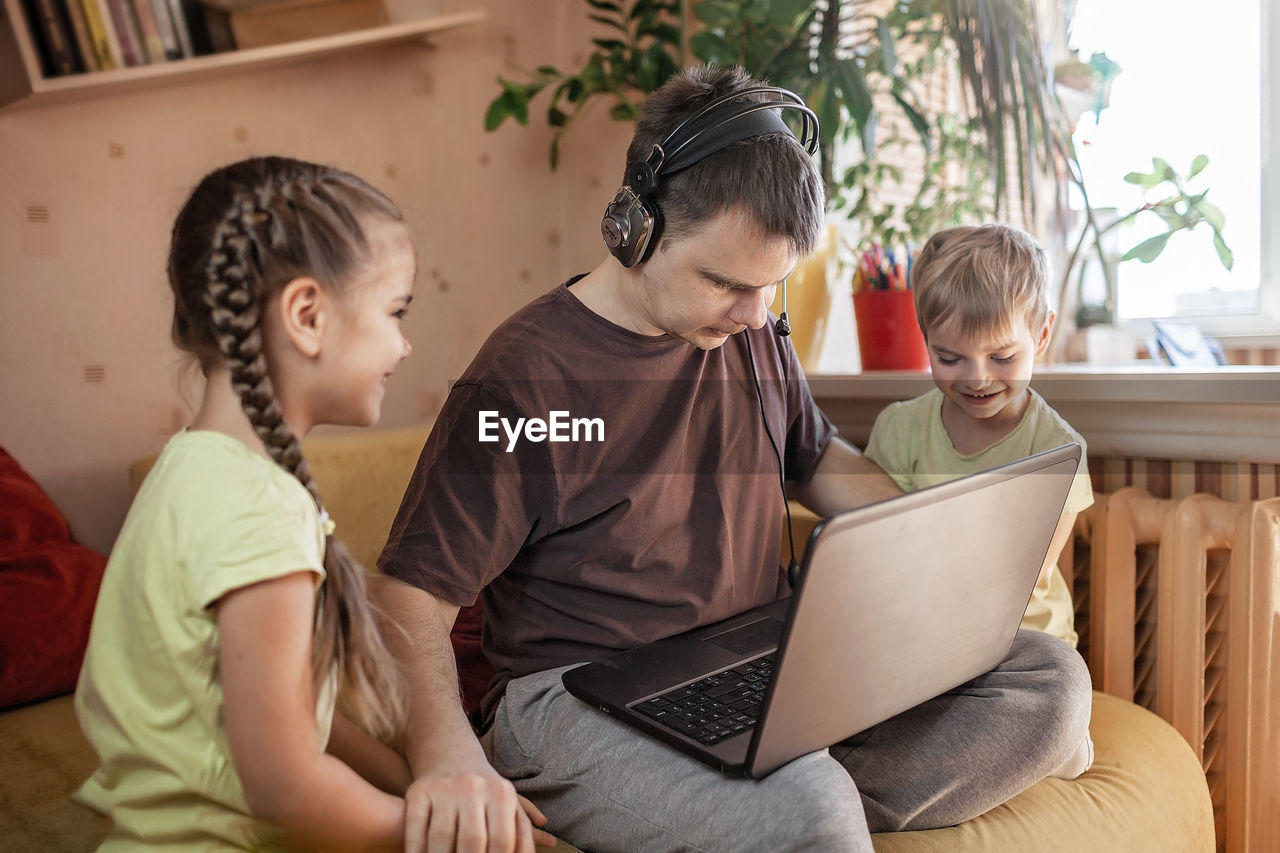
1084 382
1142 411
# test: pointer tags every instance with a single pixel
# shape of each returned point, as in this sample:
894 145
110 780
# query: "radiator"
1178 609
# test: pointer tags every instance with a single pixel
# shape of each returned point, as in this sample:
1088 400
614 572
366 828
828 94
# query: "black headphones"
632 222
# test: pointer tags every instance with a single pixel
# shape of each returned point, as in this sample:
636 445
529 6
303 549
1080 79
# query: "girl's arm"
265 636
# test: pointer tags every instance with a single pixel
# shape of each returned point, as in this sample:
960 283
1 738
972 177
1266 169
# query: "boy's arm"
1060 536
456 799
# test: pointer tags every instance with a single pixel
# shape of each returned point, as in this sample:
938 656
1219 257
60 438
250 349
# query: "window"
1195 79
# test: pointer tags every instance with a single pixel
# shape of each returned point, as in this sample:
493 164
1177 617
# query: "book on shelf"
52 37
255 23
98 40
126 27
80 31
109 33
164 24
149 32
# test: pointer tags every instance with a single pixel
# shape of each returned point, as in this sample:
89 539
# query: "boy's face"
985 376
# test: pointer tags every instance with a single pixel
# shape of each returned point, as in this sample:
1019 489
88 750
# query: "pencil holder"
889 337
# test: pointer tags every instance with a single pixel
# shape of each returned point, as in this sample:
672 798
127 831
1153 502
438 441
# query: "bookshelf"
22 84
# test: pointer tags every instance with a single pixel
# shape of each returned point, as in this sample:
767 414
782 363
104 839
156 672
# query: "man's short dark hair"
770 178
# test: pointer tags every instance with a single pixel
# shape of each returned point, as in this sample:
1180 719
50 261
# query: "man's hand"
471 812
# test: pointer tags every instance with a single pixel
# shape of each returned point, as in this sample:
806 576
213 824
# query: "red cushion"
27 516
474 669
48 586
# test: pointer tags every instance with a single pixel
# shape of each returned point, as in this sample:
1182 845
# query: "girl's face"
364 342
984 377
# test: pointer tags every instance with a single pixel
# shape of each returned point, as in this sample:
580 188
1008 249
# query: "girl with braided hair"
231 620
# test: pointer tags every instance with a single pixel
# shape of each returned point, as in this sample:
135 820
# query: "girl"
229 617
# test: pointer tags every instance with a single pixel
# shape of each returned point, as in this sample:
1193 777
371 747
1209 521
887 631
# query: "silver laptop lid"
903 600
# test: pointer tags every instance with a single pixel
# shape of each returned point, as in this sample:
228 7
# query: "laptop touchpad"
758 636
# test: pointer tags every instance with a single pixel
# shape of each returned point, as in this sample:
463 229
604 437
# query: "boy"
980 301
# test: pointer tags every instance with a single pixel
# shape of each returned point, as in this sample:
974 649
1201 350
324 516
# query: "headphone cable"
793 569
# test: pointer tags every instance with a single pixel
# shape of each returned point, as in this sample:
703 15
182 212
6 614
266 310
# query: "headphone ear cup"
628 227
640 177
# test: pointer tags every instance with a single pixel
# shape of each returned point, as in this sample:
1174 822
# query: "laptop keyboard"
717 707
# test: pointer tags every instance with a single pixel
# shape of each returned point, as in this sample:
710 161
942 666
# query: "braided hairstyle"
247 230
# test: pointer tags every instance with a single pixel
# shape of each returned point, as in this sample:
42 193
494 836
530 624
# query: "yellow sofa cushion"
1145 791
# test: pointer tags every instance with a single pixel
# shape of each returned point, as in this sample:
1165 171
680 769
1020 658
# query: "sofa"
1145 792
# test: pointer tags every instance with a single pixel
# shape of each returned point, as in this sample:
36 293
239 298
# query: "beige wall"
88 378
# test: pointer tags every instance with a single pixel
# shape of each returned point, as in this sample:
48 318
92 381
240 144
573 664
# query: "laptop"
896 602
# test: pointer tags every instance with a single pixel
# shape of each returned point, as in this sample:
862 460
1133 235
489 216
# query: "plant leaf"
856 93
918 121
1148 250
1211 213
1197 165
1224 254
888 51
497 113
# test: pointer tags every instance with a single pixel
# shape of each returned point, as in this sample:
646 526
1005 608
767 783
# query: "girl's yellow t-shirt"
911 444
211 517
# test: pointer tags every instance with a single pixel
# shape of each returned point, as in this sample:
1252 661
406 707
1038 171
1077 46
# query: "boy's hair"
984 278
771 178
246 231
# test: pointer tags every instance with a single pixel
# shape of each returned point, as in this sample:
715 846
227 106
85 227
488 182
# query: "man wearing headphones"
666 518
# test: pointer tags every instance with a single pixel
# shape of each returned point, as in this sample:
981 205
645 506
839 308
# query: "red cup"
889 337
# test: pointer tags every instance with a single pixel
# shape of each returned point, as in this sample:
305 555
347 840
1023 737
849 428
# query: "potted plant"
863 73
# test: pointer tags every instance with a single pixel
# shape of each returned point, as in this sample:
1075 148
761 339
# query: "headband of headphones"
715 127
632 220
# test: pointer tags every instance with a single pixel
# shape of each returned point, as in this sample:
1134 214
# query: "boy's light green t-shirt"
910 443
211 517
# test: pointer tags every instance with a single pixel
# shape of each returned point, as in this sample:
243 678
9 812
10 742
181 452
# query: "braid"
257 226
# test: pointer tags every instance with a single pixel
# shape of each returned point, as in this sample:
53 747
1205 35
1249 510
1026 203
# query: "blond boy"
980 300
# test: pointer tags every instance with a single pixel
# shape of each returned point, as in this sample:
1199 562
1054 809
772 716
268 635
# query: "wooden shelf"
22 84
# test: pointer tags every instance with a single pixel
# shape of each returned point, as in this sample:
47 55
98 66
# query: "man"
666 517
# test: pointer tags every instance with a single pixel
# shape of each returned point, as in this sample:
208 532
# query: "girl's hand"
475 811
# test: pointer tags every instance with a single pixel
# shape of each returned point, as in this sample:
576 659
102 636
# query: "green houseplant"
852 65
864 67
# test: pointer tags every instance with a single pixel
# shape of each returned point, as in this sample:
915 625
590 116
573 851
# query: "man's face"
714 283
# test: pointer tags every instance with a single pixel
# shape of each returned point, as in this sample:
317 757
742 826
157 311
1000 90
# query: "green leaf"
1197 165
918 121
666 33
787 13
1211 213
609 44
888 51
605 5
711 49
1163 169
716 15
1224 254
556 118
1148 250
610 22
622 112
857 95
1144 180
497 113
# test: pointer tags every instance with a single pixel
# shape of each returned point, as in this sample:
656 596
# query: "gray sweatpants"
605 786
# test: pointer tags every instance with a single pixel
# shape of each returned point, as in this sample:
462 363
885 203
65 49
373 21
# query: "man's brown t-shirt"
645 503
